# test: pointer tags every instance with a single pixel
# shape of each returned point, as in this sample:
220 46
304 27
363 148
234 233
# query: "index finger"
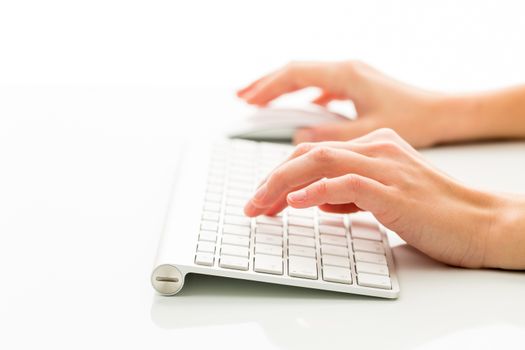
301 171
292 77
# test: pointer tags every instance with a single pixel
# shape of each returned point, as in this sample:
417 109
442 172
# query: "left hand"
383 174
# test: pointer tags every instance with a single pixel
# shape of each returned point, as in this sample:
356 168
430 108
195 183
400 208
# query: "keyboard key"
217 174
235 240
332 230
241 186
216 182
374 281
232 193
307 212
268 249
370 257
210 216
366 231
333 240
206 247
214 189
209 226
215 207
362 245
213 197
302 267
325 215
233 262
270 220
204 259
238 177
301 231
269 229
339 222
237 220
241 167
336 261
234 250
334 250
298 221
371 268
363 217
337 274
231 210
268 264
208 236
236 202
236 230
268 239
302 241
307 252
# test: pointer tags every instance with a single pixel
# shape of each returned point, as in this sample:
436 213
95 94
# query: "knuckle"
322 154
276 177
353 67
291 67
353 183
321 189
385 147
303 148
387 133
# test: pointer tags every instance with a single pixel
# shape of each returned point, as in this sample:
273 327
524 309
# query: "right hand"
380 101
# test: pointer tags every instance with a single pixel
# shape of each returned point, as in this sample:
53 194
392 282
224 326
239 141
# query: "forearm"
491 115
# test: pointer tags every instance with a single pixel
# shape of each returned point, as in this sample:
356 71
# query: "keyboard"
299 247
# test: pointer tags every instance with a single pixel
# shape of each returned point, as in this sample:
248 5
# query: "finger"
340 208
247 88
341 131
298 151
385 134
365 193
291 78
277 208
306 147
321 162
323 99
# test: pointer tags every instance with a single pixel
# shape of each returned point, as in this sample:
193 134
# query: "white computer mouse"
279 124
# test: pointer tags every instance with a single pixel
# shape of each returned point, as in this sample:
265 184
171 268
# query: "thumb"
341 131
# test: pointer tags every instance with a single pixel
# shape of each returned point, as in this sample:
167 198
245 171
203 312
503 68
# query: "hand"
383 174
379 101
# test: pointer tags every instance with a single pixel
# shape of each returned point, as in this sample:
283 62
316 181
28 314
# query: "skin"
380 172
422 118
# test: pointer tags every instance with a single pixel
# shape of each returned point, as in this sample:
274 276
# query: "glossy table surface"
84 186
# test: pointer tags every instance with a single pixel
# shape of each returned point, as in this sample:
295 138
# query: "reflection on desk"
436 301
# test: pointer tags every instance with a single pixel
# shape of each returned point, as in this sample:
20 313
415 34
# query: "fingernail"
249 209
248 96
299 196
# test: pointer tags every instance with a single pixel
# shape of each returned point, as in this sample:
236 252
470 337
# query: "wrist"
454 118
505 244
498 114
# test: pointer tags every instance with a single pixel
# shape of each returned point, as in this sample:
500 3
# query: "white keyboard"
301 247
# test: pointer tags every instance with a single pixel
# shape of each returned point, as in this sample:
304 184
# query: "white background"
95 97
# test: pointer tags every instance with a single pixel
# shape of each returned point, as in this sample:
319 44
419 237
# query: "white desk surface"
85 175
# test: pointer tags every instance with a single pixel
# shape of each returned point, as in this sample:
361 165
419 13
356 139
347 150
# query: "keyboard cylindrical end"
167 279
